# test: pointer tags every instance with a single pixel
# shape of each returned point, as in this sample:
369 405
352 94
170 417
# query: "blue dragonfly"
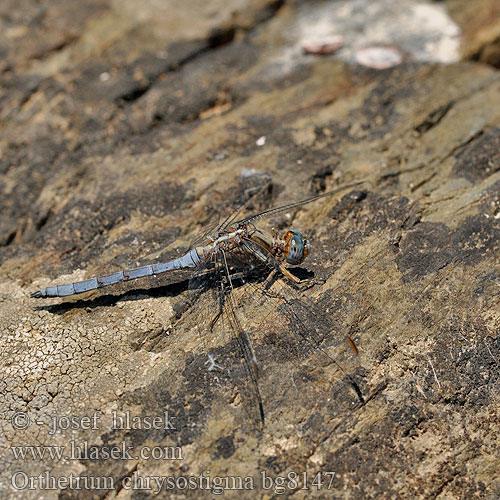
238 263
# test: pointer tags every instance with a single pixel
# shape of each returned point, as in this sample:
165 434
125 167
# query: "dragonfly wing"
212 315
296 204
295 335
254 191
317 333
243 366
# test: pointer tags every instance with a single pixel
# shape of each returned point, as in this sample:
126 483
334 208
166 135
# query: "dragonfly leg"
289 275
309 282
271 278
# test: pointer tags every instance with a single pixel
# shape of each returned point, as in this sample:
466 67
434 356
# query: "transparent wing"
254 191
289 206
293 332
318 334
283 327
242 362
213 313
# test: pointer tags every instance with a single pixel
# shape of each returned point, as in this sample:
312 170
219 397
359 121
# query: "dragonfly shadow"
302 273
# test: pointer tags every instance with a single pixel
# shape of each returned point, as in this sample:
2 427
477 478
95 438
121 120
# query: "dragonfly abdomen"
190 259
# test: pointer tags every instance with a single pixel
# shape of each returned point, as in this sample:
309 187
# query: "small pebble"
379 57
327 45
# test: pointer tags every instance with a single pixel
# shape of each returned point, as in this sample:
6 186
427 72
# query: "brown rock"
126 133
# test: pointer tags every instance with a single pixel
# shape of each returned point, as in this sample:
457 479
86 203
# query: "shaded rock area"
128 129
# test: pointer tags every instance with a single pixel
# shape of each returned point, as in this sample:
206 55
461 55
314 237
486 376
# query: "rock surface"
128 128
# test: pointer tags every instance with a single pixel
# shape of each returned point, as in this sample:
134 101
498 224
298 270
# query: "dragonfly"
238 253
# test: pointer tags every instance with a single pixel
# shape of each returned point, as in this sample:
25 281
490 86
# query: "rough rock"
128 129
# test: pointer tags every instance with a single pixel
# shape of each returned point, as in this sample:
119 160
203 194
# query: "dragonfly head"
296 247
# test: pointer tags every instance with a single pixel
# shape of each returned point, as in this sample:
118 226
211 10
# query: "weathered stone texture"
128 128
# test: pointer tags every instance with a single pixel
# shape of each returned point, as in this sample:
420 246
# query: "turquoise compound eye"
298 248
